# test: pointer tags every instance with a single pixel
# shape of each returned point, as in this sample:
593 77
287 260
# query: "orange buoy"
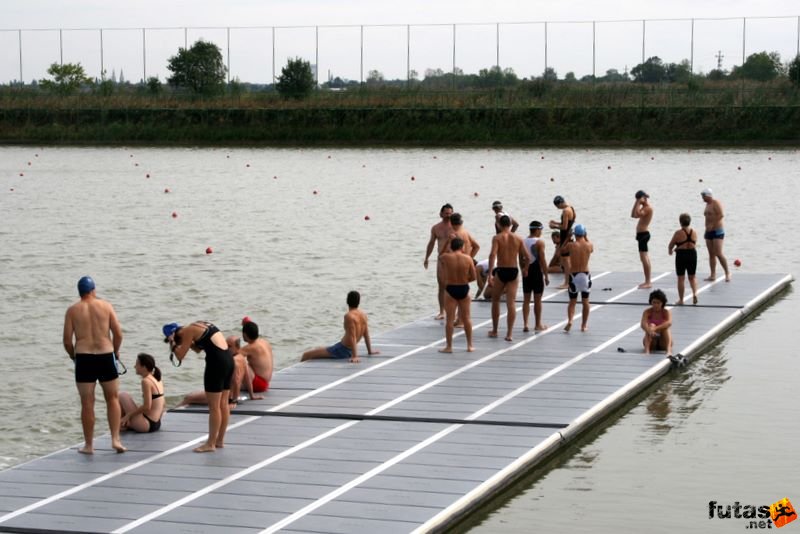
739 168
29 163
542 157
481 166
246 319
700 180
609 167
274 177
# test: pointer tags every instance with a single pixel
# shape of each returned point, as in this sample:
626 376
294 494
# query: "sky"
397 35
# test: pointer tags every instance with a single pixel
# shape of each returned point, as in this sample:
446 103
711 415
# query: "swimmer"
507 251
580 280
564 227
458 270
643 211
656 323
537 277
440 232
684 245
497 208
715 233
355 328
147 417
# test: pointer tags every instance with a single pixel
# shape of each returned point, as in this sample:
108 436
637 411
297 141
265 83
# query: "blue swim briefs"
339 351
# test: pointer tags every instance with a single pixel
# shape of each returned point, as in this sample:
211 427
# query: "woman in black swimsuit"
202 336
147 417
683 243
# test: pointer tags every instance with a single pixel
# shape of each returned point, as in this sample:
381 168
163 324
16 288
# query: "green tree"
679 72
550 74
651 71
761 66
154 85
67 78
794 70
296 79
199 69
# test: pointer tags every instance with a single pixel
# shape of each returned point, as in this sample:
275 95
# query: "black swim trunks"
458 292
642 238
89 368
534 282
506 274
685 261
154 425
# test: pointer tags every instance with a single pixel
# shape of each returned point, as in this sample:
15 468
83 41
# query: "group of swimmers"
511 256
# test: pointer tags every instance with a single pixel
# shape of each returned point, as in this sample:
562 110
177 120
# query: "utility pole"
719 57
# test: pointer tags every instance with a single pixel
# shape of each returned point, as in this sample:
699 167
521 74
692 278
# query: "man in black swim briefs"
458 270
97 334
643 212
508 251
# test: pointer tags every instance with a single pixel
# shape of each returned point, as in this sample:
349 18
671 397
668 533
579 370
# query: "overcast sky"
521 46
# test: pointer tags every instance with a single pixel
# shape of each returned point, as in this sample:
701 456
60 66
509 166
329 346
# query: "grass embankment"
538 113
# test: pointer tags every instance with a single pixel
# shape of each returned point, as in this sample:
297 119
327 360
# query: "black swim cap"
558 200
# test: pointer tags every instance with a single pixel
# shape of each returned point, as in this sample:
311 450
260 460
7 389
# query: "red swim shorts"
259 384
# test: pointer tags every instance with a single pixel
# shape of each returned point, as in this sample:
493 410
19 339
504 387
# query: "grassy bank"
542 114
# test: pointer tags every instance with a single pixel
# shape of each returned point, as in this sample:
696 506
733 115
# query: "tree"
651 71
67 78
794 70
153 85
296 79
761 66
374 78
679 72
570 77
550 74
199 69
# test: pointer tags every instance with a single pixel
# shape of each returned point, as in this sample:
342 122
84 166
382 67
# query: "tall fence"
256 54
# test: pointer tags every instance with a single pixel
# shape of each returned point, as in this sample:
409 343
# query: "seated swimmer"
147 417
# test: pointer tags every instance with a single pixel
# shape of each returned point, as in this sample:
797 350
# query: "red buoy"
247 165
29 163
209 250
412 178
366 217
552 179
739 168
21 174
481 166
147 175
737 262
174 214
475 194
609 167
166 189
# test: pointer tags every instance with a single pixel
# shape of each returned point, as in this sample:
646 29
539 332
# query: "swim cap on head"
640 194
558 200
246 319
497 204
535 225
707 192
170 328
85 285
580 230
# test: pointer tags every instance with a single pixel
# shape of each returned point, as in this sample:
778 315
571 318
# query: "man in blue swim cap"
580 281
92 338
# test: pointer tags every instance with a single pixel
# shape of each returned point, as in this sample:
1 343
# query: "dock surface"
410 440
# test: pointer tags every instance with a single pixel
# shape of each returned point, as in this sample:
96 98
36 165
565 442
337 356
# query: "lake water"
292 230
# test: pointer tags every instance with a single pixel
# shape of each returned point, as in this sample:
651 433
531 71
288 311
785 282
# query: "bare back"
471 247
92 322
507 248
355 326
457 268
579 252
259 356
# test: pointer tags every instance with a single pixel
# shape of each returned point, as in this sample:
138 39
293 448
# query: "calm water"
724 430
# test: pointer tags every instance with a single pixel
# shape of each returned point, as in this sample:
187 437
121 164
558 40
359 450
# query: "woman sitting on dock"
656 323
147 417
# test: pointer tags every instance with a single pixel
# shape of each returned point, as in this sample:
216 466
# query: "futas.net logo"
775 515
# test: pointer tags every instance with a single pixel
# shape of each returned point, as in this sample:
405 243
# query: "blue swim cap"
85 285
579 230
169 329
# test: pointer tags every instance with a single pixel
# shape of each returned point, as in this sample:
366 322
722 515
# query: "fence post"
102 62
454 57
228 52
19 34
545 47
744 37
644 23
362 54
273 55
186 38
497 33
144 56
61 47
316 53
594 51
408 55
691 60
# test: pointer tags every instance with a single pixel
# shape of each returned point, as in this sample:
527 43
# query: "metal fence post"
691 61
144 55
362 55
186 38
497 34
454 57
408 54
545 47
644 22
228 50
273 55
61 47
316 52
594 49
102 62
744 37
19 34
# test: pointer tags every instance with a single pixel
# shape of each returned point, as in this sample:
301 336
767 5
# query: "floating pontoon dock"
410 440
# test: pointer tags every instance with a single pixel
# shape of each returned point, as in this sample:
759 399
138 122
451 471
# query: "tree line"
200 71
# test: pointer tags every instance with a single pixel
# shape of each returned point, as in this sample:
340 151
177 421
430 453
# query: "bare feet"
219 445
493 333
205 448
508 338
710 278
526 329
568 327
86 450
679 303
563 286
645 285
117 446
584 328
541 327
728 277
694 299
470 348
448 350
440 316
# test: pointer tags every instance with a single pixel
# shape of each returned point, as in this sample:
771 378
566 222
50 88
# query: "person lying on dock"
147 417
355 328
657 323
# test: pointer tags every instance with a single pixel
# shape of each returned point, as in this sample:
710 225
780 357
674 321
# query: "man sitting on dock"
258 367
355 327
580 281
